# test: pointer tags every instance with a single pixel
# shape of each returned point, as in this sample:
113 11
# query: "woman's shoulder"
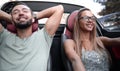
69 42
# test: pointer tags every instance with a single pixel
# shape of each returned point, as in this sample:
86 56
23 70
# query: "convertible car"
110 26
58 60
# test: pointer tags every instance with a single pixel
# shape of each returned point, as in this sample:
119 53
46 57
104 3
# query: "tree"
111 6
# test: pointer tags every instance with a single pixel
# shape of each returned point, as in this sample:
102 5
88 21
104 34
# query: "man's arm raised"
54 15
4 16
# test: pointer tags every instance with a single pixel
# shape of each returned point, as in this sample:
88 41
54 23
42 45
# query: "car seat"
68 35
70 24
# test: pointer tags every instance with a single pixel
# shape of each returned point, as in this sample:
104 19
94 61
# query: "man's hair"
19 3
8 6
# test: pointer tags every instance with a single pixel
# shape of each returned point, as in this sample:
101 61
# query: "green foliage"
111 6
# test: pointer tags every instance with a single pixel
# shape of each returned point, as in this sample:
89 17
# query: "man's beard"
24 25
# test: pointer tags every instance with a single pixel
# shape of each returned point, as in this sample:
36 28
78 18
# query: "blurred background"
98 7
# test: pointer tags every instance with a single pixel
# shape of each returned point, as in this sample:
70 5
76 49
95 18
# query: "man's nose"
21 13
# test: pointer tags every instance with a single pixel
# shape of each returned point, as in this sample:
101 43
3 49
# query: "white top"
29 54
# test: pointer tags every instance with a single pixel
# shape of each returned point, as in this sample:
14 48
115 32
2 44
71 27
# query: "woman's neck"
86 42
85 36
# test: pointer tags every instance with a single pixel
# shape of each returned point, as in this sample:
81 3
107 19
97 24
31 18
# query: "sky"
2 2
95 7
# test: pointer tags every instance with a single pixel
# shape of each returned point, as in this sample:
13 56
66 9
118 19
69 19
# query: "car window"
111 20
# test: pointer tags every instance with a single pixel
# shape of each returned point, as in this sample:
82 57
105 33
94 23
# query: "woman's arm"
73 56
110 42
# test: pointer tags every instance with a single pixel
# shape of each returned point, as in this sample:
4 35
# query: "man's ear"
12 22
33 19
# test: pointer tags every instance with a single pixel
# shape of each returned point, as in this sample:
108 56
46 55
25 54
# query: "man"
27 51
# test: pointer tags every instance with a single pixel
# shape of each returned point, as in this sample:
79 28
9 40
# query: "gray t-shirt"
28 54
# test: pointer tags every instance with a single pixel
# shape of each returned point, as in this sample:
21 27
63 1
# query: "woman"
86 51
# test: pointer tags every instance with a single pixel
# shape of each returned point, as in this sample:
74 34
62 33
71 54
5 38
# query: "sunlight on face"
87 21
